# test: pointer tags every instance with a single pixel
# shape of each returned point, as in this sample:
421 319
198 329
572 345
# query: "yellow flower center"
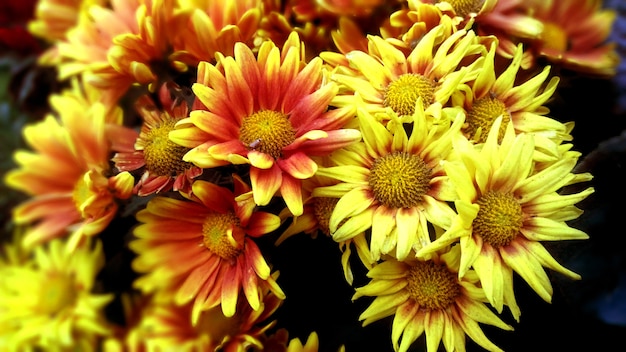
554 37
322 209
215 230
499 218
212 322
432 286
58 292
267 131
401 94
399 179
464 8
164 157
483 113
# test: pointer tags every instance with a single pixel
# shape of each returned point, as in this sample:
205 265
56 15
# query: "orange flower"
165 169
66 173
203 249
270 112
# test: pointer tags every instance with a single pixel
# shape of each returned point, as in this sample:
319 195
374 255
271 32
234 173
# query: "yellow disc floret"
481 116
218 230
554 37
402 94
399 179
432 286
499 218
322 209
59 293
164 157
267 131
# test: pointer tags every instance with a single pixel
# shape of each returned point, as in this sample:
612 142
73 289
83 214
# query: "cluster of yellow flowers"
414 133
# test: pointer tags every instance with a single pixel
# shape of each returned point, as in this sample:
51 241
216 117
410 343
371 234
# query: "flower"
202 249
384 78
575 35
505 209
392 183
311 344
165 169
66 174
49 301
427 296
517 99
270 112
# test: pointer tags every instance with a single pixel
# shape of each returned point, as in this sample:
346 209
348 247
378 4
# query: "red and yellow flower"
270 112
202 249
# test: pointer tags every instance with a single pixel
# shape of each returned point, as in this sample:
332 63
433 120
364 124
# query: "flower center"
481 116
499 218
463 8
401 94
164 157
322 209
267 131
58 292
432 286
554 37
399 179
219 231
81 193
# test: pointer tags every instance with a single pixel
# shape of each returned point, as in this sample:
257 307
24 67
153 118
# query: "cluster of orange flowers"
414 133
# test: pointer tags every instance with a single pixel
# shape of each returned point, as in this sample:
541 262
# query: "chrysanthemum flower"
212 27
47 303
203 249
575 35
505 209
493 94
427 296
164 169
164 325
385 78
392 183
270 112
67 172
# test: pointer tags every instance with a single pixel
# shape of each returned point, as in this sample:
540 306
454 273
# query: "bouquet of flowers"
185 141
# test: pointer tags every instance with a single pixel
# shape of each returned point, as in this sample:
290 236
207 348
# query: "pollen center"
401 94
399 179
481 116
164 157
499 218
218 230
464 8
322 209
267 131
554 37
59 292
432 286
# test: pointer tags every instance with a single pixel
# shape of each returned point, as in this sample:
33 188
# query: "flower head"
427 297
505 209
67 173
270 112
392 183
47 301
202 250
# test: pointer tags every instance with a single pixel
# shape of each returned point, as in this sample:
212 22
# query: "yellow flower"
505 209
67 172
392 183
387 78
428 297
203 249
47 303
269 111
